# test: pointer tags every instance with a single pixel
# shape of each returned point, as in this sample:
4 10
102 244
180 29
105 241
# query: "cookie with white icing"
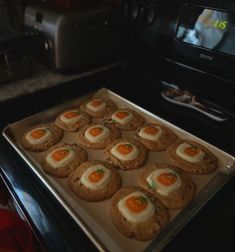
98 107
94 181
97 136
62 159
192 157
126 154
156 137
174 188
72 120
137 215
41 137
125 119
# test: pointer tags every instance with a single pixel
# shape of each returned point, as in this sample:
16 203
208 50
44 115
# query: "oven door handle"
217 108
211 107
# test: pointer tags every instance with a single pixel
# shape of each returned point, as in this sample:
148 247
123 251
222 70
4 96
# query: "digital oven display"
207 28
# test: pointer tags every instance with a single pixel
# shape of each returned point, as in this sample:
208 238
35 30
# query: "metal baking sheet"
92 216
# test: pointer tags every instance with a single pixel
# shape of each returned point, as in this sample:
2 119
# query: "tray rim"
175 225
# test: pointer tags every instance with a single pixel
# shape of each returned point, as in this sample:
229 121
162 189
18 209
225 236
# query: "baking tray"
92 217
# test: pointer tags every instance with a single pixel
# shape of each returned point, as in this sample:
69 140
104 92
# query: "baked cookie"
62 159
97 136
171 186
41 137
124 119
156 137
98 107
127 154
94 181
137 215
72 120
192 157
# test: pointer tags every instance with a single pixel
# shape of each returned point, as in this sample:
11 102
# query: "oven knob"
134 11
47 45
149 16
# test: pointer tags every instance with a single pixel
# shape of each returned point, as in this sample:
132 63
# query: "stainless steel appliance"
65 39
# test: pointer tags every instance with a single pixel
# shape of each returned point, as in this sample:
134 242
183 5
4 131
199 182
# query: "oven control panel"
139 11
195 33
205 33
207 28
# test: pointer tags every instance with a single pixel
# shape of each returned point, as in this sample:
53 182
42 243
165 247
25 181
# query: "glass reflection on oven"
208 30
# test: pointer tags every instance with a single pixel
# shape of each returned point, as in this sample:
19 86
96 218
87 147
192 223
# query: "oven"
153 58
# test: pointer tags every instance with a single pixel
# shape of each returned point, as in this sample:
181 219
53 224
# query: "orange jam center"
122 114
167 178
96 103
136 204
38 133
125 148
70 114
151 130
96 176
191 151
58 155
96 131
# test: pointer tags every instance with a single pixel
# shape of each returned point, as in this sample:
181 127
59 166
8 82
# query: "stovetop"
211 228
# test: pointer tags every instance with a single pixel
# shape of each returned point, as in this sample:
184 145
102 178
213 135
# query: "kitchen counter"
42 78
